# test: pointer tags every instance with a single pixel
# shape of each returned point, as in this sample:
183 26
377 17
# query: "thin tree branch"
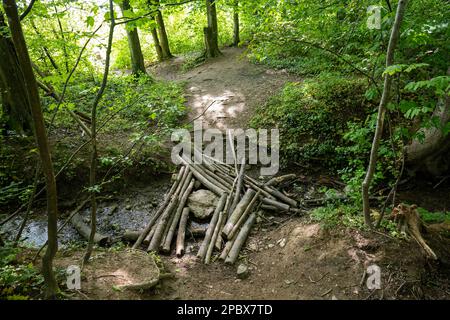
27 10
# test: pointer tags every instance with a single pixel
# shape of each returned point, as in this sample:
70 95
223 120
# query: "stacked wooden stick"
232 220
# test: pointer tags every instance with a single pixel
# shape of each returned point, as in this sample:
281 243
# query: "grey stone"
242 271
202 203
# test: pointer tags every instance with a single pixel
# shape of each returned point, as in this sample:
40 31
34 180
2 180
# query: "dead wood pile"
239 195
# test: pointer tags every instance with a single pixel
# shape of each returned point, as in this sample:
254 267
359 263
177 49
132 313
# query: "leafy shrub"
18 281
313 117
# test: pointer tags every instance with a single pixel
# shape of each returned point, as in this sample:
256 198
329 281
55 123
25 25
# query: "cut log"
214 179
149 236
174 212
279 195
161 209
208 184
239 186
182 232
227 248
160 227
212 227
214 237
85 231
279 180
131 236
240 240
176 219
237 213
279 205
244 216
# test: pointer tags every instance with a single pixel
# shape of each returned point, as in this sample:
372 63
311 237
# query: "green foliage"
338 214
313 116
433 217
18 280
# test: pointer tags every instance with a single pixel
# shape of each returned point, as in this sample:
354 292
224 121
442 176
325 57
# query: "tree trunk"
382 111
163 40
42 142
12 86
211 31
158 48
137 59
431 155
93 166
236 36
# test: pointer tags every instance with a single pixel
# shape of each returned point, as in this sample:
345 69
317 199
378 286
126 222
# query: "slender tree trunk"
42 142
163 38
158 48
236 37
137 59
92 175
61 30
12 86
382 111
211 31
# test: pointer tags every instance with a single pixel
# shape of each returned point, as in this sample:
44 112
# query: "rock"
270 246
242 271
202 203
128 207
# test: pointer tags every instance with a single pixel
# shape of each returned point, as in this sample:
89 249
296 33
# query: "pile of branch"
233 218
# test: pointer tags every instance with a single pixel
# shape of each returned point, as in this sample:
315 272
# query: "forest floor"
288 257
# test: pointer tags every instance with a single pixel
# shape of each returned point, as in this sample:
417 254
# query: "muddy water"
130 210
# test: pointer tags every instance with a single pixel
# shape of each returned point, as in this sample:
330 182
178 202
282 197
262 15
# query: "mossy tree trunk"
236 36
163 39
29 79
211 31
14 100
137 58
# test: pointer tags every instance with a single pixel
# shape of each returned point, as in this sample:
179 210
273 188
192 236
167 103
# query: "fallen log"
131 235
279 180
279 205
281 196
240 240
182 232
85 231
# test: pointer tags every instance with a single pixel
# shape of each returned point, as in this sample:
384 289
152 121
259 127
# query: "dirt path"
230 86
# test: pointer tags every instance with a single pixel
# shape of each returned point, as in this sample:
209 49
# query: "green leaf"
90 21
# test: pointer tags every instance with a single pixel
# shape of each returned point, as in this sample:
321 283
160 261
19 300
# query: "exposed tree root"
409 221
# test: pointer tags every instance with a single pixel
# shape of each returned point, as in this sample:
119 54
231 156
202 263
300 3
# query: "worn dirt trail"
225 91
